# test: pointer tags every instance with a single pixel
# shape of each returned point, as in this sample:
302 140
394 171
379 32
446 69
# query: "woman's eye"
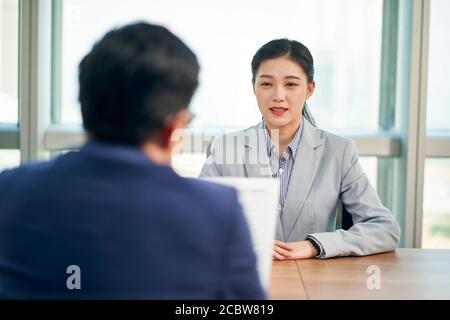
291 84
266 84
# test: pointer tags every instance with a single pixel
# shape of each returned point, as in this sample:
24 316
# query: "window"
9 71
438 67
361 50
436 220
9 34
436 198
9 158
344 37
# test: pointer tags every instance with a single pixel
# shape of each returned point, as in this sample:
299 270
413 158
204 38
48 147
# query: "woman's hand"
293 250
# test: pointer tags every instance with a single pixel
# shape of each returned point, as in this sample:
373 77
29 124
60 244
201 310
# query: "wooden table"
404 274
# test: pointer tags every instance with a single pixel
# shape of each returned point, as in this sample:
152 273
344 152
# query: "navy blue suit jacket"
134 228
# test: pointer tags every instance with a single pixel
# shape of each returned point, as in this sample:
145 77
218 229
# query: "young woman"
317 170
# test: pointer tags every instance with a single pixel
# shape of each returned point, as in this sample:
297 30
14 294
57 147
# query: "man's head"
136 85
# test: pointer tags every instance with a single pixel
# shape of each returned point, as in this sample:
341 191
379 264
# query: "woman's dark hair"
295 51
133 79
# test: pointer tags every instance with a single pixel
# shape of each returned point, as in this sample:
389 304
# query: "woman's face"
281 89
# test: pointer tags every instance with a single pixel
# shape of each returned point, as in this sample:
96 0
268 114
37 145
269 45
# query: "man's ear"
178 121
166 136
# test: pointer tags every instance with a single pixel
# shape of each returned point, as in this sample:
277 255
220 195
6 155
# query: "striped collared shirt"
282 166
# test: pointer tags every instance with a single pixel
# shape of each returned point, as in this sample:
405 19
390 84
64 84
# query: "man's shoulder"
24 171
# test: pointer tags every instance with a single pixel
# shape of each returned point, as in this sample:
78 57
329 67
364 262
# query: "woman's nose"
279 95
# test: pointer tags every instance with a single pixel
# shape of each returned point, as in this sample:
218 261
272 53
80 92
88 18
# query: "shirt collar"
291 147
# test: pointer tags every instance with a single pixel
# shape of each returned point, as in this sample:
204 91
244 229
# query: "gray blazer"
326 171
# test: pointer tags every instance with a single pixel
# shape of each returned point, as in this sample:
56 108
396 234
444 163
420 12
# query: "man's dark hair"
133 79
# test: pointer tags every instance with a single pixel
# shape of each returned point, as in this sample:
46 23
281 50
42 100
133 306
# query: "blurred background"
381 68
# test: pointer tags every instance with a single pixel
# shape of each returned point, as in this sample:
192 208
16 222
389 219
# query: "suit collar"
291 148
310 141
256 162
304 170
119 152
302 177
310 135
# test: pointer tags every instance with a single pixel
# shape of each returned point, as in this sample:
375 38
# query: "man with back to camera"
114 220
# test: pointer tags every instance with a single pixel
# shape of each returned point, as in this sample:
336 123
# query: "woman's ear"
310 89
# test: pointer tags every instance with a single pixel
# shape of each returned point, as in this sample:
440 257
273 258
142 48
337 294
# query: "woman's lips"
278 111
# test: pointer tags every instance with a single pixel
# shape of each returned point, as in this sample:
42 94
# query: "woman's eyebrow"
293 77
266 76
287 77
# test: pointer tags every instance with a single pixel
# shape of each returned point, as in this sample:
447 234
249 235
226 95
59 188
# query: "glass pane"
9 52
344 37
438 68
436 204
9 159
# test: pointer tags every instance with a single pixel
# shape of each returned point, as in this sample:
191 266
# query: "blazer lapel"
256 162
307 160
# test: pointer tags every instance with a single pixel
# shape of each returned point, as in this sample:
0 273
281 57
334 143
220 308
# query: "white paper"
259 201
